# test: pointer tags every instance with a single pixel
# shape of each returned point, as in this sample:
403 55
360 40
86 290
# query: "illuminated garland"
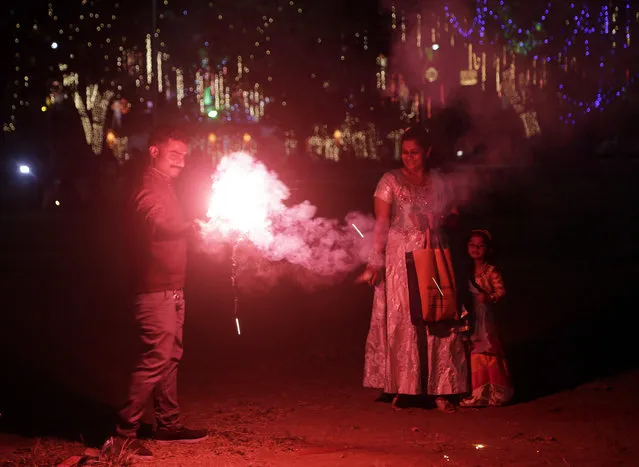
525 41
478 20
93 115
215 86
521 41
599 103
585 21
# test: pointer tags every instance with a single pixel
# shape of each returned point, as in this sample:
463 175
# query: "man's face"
169 157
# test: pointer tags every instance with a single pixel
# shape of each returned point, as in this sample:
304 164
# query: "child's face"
477 247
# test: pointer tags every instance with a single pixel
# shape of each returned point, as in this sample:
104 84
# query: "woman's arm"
383 199
380 234
376 259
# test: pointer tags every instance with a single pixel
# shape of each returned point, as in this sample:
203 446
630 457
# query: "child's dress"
491 384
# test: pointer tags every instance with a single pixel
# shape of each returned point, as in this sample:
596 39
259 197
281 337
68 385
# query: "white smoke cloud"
248 207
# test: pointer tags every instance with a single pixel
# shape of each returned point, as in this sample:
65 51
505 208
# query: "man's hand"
197 225
195 228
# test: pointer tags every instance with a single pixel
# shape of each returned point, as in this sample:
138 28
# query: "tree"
93 114
71 55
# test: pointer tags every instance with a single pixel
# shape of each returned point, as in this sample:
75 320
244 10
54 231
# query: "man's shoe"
121 448
180 435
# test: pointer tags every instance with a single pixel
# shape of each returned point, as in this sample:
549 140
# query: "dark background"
565 224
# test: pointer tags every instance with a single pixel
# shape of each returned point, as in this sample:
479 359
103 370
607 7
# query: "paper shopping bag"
431 284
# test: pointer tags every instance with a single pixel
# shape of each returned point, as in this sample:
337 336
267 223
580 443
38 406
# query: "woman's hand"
372 275
485 297
451 221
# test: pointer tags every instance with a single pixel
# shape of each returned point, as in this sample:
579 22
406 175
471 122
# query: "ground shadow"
597 342
36 405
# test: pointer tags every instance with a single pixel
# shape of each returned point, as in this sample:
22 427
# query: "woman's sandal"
472 402
444 405
401 402
395 403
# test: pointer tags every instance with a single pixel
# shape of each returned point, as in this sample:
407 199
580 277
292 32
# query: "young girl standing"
491 384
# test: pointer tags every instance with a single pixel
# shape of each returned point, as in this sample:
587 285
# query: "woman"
402 358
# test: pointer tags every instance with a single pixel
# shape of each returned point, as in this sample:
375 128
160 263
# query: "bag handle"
427 239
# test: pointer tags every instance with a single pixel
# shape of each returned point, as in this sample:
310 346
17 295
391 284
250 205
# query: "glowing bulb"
247 137
212 138
43 108
337 134
57 203
435 46
54 45
460 153
24 169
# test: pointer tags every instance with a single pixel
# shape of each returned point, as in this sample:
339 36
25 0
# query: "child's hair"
487 237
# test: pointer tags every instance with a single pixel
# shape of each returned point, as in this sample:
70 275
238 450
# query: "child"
491 385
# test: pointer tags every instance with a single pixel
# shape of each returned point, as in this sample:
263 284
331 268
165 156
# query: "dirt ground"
322 417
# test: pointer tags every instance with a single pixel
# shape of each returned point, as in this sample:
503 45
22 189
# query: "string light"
149 60
583 24
160 73
477 20
599 103
93 114
179 84
524 40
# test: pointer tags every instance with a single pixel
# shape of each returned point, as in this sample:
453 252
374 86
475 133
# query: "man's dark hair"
162 134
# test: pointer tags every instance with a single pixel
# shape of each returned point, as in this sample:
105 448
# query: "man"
161 235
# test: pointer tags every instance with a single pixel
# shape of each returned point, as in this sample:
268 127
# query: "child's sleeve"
498 290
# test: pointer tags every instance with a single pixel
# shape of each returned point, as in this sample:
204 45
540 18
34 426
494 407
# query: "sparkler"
243 199
234 285
438 287
247 204
358 231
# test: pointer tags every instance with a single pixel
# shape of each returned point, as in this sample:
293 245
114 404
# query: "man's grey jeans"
160 318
